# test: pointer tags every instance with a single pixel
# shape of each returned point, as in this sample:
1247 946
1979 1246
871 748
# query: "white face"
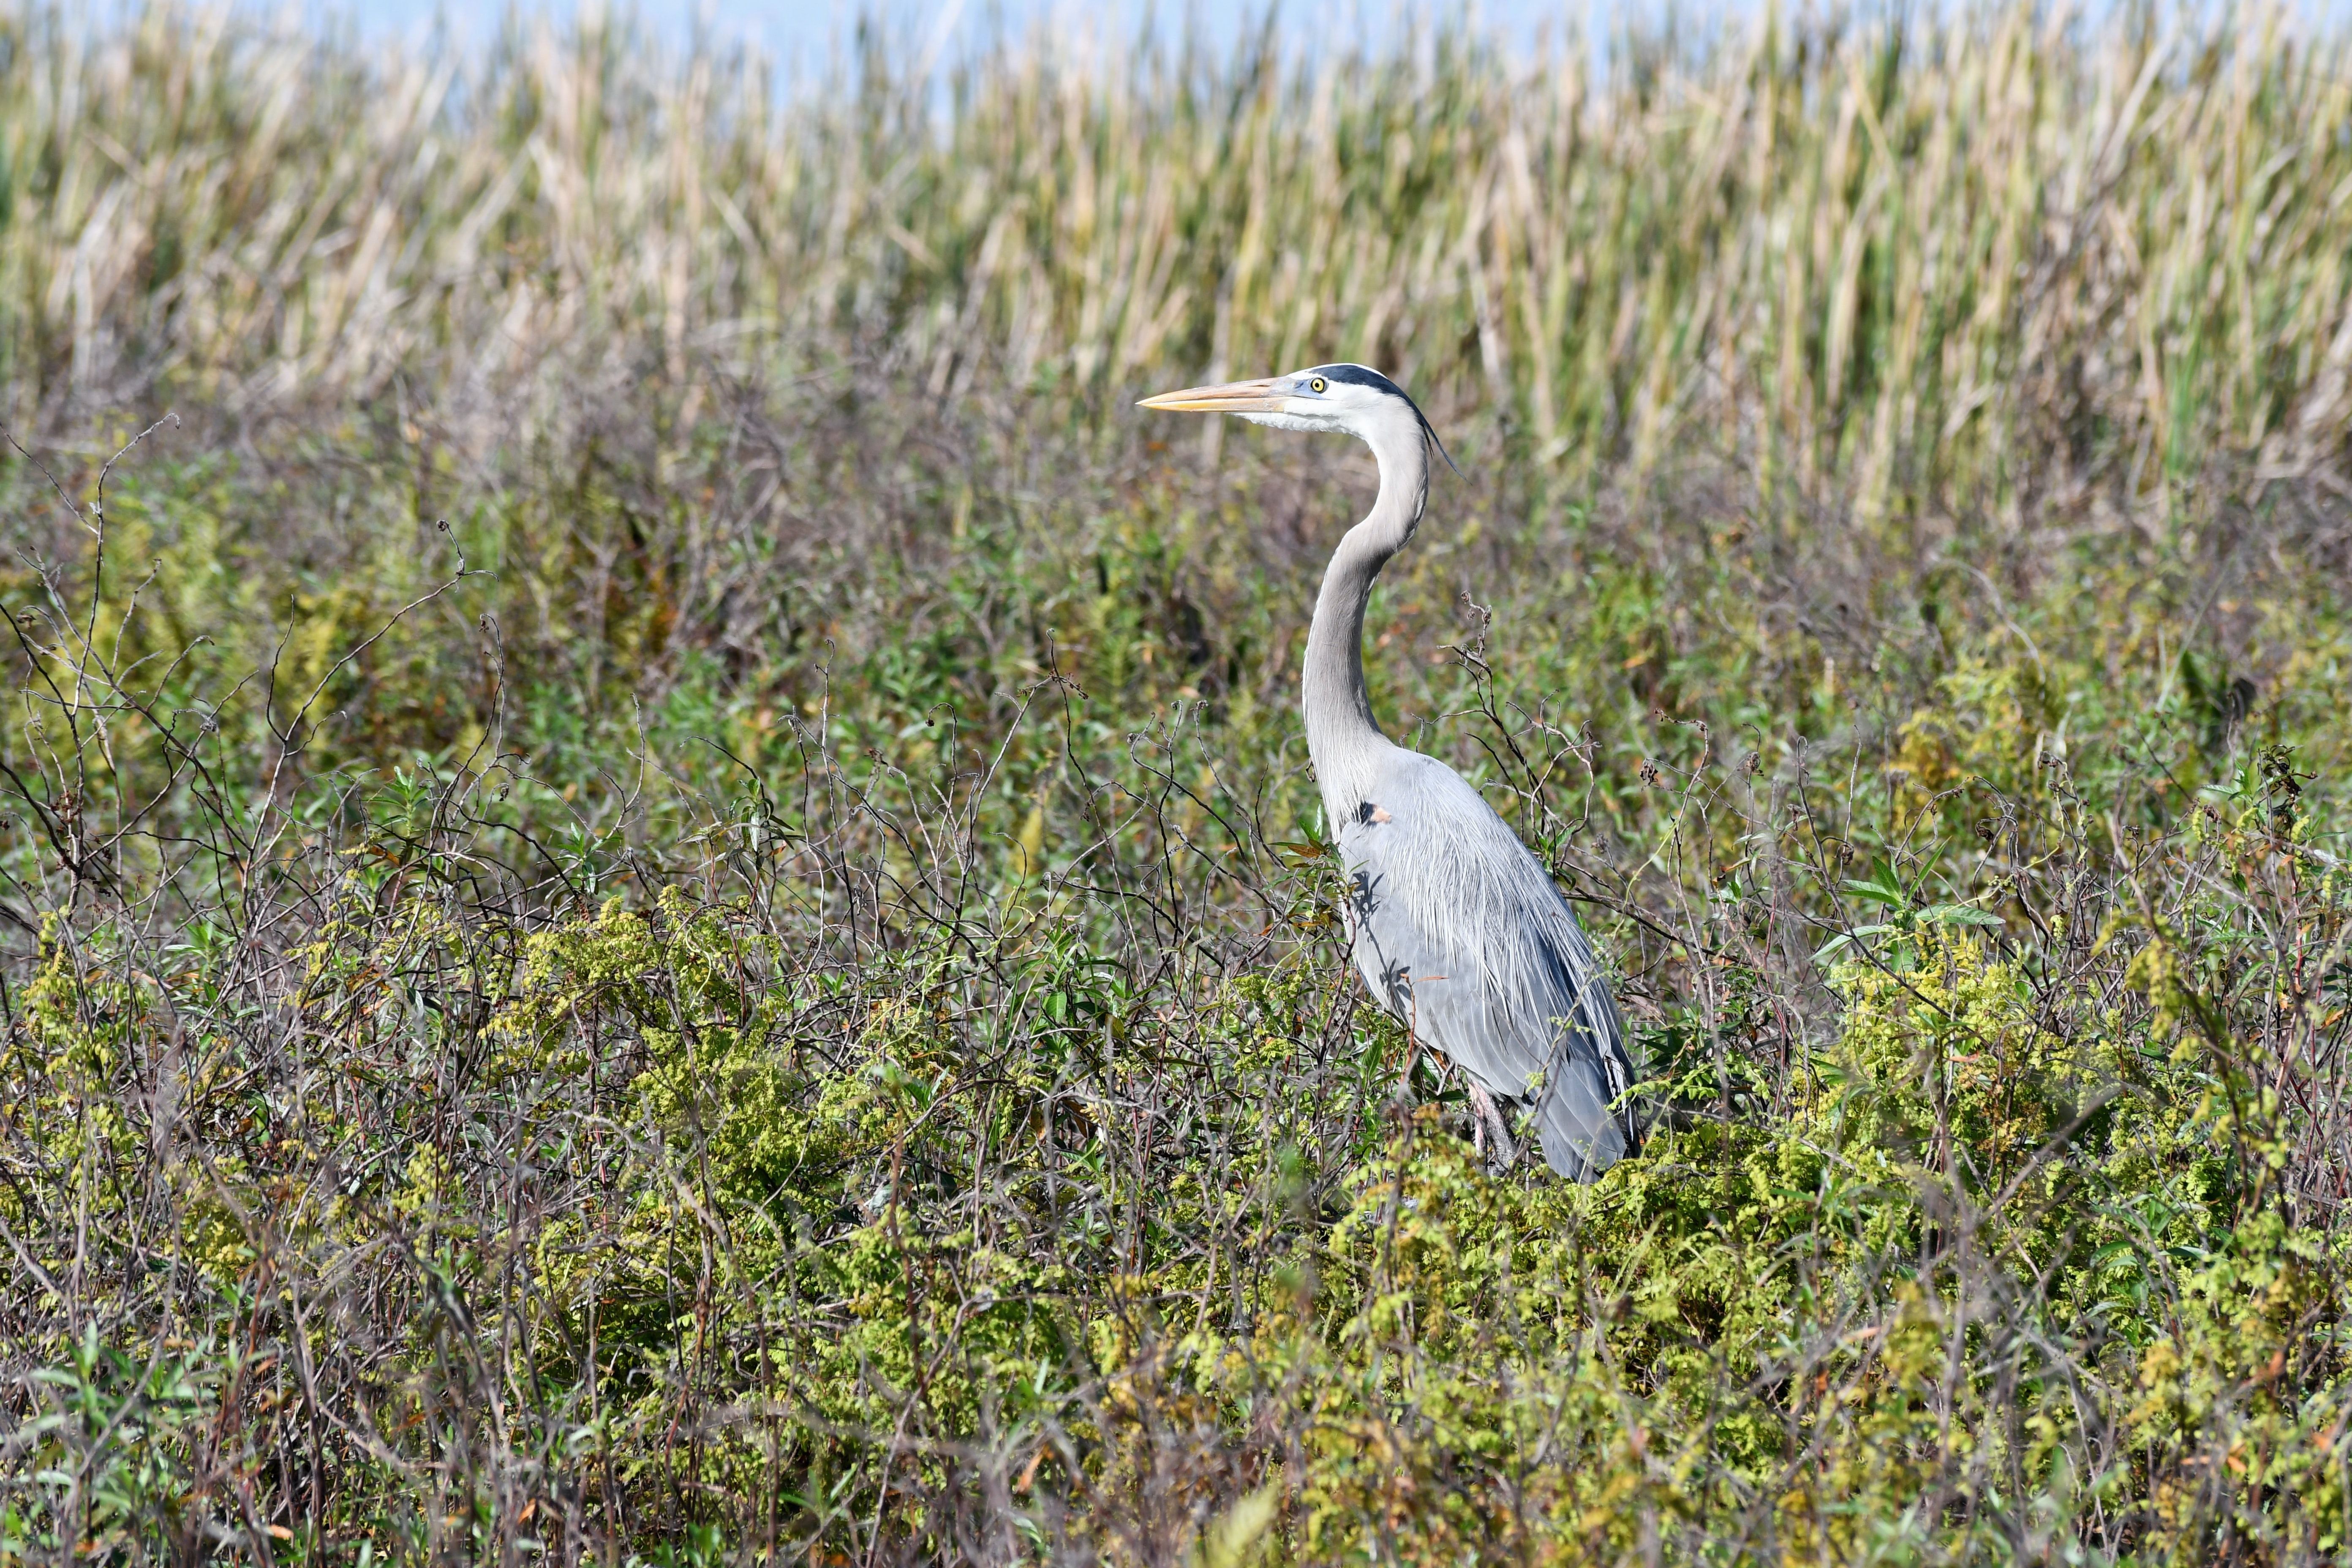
1307 401
1303 400
1346 399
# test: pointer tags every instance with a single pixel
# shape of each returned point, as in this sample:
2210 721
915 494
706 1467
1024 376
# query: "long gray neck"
1341 736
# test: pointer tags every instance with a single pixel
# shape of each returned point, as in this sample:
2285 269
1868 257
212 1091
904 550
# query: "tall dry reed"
2005 253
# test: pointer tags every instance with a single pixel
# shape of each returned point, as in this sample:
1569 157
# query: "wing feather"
1461 934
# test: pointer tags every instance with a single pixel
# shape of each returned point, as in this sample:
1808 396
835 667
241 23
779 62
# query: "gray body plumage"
1457 929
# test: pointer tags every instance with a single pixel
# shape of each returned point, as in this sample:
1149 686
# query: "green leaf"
1884 888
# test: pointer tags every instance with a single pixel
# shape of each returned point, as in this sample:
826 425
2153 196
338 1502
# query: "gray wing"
1460 932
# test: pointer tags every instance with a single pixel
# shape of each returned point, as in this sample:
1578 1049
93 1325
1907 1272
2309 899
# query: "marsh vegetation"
659 898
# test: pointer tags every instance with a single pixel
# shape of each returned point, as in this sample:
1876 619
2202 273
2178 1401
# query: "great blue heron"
1457 929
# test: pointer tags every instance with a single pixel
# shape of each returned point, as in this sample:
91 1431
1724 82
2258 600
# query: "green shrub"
662 901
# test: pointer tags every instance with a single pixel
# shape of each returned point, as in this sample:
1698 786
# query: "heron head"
1346 399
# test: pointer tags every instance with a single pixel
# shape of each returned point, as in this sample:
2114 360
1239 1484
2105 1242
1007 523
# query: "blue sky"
801 34
806 31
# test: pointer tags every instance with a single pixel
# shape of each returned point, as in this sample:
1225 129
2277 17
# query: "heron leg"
1411 1039
1506 1153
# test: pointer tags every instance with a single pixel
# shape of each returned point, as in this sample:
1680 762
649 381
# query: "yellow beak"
1234 397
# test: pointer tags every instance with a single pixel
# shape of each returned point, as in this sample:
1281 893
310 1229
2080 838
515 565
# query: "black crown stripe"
1365 375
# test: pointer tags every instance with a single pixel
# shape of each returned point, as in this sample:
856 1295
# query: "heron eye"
1318 384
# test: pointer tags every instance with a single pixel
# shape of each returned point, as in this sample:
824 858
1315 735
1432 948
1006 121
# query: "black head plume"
1365 375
